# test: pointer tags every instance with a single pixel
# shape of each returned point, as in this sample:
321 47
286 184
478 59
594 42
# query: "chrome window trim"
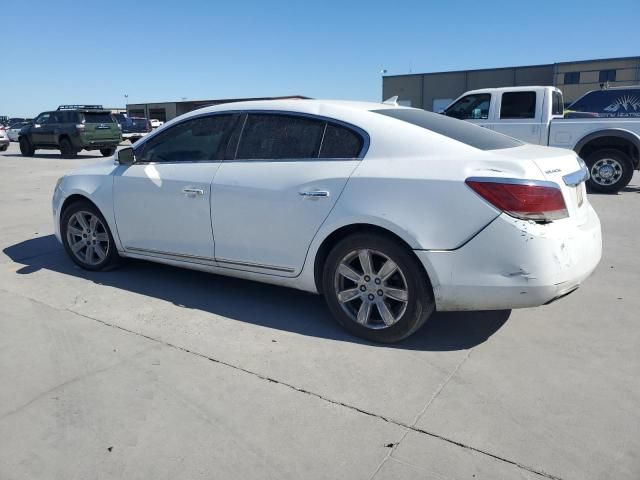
366 140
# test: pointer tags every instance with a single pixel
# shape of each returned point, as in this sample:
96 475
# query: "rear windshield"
139 122
618 103
98 117
458 130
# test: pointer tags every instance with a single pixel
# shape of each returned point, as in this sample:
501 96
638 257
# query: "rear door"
270 198
518 114
100 126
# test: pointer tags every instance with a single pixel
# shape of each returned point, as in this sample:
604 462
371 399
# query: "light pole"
126 99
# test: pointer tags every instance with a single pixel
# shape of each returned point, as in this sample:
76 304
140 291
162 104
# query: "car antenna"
392 101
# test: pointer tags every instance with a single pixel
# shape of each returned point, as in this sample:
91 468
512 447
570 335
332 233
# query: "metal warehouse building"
434 91
165 111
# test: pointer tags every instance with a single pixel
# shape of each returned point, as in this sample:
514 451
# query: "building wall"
431 90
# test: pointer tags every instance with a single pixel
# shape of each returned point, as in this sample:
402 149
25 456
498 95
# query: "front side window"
471 107
198 139
272 137
518 105
43 118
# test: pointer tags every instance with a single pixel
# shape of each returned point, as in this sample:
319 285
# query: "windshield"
458 130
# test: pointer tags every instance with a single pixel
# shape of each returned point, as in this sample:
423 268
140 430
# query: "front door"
42 131
271 198
162 201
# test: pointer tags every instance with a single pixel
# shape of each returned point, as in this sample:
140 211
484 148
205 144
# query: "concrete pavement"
149 371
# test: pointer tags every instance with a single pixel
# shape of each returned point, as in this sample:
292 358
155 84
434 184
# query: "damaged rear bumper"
515 264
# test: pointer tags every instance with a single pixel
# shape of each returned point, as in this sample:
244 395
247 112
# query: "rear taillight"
526 199
80 127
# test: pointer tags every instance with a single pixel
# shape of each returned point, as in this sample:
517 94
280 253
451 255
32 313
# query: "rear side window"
518 105
98 117
558 105
464 132
470 107
198 139
272 137
340 142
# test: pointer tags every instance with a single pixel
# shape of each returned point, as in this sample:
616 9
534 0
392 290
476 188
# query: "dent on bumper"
515 264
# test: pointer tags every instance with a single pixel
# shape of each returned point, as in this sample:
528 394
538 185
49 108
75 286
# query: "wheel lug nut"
371 297
378 281
362 288
380 292
367 278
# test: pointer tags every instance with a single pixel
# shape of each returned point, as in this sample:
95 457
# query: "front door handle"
192 192
315 193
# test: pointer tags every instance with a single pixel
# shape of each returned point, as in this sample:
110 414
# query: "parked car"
613 102
133 128
4 140
13 132
390 212
609 146
70 129
155 123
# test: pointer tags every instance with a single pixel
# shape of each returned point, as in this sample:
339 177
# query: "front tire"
26 148
610 170
86 237
376 288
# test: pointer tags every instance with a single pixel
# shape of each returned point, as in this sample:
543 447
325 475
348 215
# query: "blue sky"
84 51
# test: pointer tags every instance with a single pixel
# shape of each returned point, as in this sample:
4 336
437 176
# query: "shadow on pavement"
251 302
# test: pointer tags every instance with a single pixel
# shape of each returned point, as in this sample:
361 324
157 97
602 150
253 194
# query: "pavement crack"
393 421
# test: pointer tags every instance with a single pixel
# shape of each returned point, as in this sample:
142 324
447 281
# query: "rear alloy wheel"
107 152
87 238
610 170
26 149
376 289
66 149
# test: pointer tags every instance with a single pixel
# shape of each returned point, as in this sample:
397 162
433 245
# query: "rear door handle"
192 192
315 193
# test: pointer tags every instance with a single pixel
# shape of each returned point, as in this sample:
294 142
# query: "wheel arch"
344 231
612 138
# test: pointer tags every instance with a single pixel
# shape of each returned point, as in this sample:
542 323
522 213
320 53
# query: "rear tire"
611 170
386 301
26 149
66 149
107 152
86 237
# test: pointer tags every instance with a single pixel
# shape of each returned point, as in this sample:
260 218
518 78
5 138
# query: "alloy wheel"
371 288
87 238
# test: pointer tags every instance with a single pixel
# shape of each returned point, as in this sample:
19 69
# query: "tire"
610 170
67 149
364 293
100 253
26 149
107 152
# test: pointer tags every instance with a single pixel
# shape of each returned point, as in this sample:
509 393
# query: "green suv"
72 128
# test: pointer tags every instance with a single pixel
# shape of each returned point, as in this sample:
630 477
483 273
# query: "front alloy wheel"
376 288
86 237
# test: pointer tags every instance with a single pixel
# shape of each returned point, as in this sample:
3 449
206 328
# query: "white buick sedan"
390 212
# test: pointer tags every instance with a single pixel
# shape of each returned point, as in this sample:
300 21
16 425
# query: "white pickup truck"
609 146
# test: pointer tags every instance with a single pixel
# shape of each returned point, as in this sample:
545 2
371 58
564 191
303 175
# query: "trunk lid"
100 126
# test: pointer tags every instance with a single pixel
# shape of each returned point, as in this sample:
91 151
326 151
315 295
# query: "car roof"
535 88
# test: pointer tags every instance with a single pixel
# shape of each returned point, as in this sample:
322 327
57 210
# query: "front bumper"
515 264
127 136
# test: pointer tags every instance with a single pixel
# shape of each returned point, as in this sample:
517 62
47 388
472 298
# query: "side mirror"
125 156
